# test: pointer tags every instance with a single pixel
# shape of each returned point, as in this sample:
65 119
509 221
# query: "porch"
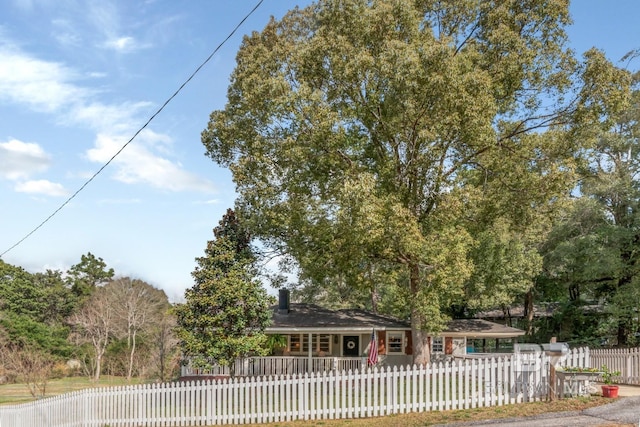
279 365
299 364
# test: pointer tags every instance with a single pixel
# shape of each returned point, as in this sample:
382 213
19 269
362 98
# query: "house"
312 331
317 339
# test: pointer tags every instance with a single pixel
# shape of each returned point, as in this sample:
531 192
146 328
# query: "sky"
78 78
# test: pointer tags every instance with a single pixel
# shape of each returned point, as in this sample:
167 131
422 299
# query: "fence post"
587 357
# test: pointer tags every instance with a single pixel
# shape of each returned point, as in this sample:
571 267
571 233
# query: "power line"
66 202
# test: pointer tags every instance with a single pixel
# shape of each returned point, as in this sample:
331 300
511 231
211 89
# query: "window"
395 342
299 343
324 343
294 343
437 345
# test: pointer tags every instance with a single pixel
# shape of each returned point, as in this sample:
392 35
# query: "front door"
351 345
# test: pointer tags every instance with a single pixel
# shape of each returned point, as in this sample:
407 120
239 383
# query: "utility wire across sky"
66 202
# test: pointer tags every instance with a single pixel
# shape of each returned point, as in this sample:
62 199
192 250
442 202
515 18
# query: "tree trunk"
419 337
133 350
506 312
622 334
161 357
528 311
574 292
623 321
96 374
374 300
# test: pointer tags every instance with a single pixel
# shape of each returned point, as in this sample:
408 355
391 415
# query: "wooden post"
310 369
552 377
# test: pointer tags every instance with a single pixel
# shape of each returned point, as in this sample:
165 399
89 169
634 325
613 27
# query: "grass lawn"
466 415
19 393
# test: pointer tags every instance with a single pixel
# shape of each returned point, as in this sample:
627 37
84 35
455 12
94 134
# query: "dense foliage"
83 320
226 310
391 141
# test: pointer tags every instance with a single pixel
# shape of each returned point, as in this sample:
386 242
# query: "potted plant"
609 388
277 343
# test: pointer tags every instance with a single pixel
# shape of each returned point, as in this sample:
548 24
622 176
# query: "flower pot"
610 391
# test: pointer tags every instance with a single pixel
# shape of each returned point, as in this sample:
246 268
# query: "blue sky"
79 77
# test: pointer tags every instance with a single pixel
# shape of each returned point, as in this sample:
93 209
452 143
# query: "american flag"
373 350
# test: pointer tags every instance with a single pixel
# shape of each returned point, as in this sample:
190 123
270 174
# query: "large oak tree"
363 135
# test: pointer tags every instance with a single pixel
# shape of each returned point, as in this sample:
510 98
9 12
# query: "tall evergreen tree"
87 274
226 311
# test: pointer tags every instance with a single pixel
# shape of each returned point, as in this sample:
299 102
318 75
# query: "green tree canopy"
226 311
19 292
593 253
87 274
22 330
365 133
59 299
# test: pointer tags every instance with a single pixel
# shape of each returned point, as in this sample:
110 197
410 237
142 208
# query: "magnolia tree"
226 311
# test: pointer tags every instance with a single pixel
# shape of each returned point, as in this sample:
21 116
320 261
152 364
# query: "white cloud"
137 163
51 88
208 202
121 44
19 160
41 186
43 86
106 18
101 117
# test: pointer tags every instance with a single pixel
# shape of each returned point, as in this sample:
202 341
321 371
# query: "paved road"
624 411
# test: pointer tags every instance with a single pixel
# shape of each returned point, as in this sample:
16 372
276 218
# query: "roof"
311 318
480 328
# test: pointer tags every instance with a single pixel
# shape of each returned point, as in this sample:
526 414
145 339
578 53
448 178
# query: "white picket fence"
625 360
456 384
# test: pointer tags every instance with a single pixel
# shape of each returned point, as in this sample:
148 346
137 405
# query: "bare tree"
95 323
25 363
137 306
164 346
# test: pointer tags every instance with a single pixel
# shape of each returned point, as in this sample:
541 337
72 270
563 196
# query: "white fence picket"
456 384
625 360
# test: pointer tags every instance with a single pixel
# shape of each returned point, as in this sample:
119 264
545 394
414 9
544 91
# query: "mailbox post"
556 351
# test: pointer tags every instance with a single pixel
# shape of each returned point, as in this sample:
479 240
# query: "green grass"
417 419
19 393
